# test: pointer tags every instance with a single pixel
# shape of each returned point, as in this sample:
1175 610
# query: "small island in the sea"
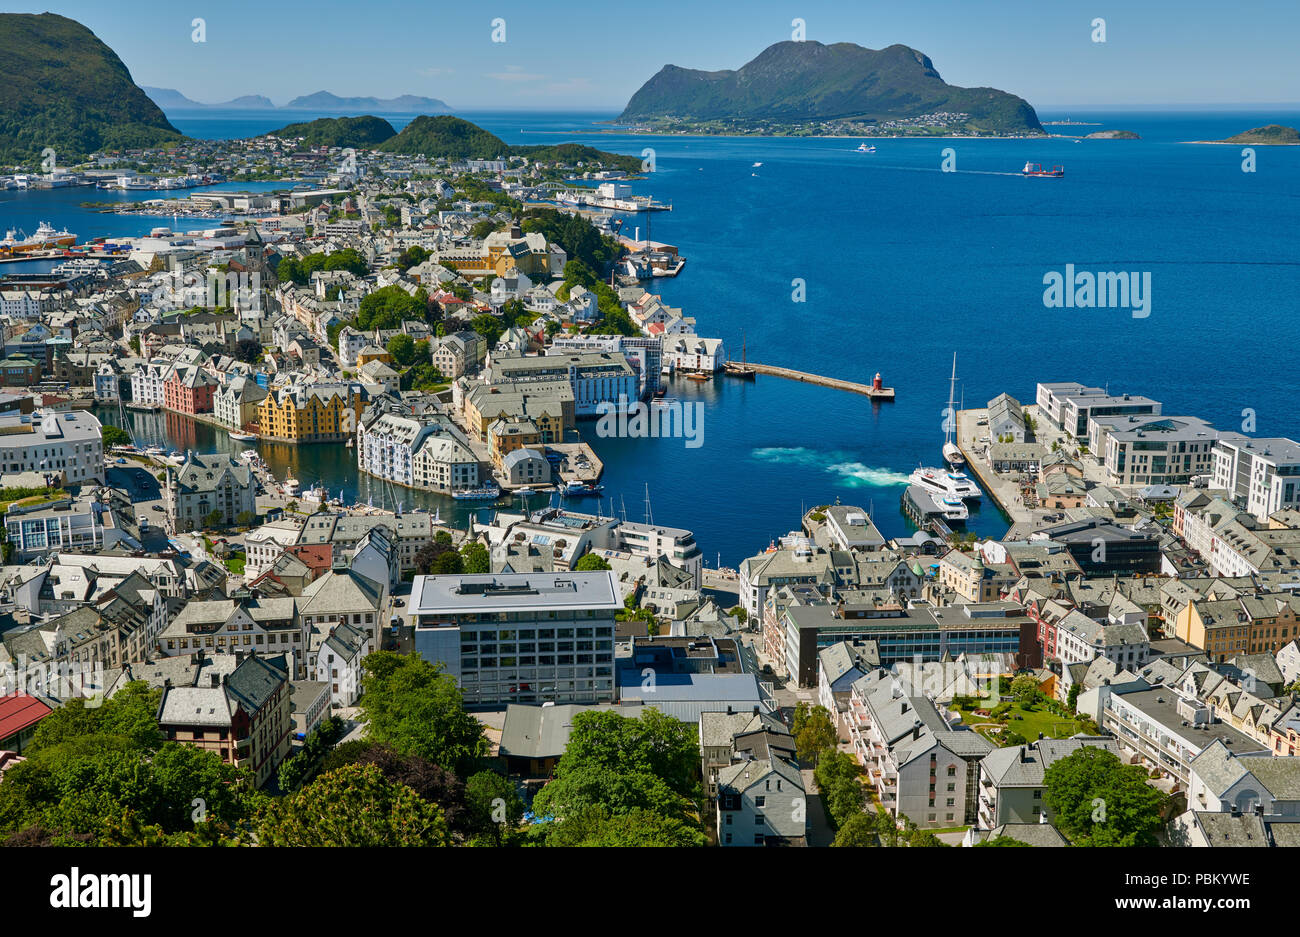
810 89
1270 135
1113 135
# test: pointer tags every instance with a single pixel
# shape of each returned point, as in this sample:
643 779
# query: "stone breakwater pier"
875 390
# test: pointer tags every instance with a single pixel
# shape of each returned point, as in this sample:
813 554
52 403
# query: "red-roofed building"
19 714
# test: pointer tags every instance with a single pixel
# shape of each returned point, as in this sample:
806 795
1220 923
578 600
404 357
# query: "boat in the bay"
238 436
1036 169
945 484
576 489
951 452
489 492
864 148
44 237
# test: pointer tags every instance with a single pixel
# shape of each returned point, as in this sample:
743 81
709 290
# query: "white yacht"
950 509
945 484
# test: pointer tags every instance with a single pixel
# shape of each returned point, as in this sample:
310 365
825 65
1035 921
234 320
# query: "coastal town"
458 334
568 465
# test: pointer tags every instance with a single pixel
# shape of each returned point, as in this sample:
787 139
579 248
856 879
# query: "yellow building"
549 407
373 353
505 436
1259 624
500 254
316 413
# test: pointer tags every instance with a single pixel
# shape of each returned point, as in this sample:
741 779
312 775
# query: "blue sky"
581 54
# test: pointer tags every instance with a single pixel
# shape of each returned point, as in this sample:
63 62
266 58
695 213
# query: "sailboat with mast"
951 453
742 370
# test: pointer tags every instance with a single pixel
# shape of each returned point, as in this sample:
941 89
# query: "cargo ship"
1036 169
44 237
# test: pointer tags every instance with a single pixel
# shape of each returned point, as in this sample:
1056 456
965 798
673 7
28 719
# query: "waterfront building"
851 528
68 445
526 638
595 378
189 389
107 382
209 483
1163 450
643 352
1070 406
242 714
549 406
235 404
525 466
1260 475
311 413
692 353
426 451
148 382
1006 418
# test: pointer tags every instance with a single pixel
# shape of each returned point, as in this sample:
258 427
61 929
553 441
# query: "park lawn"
1030 722
236 564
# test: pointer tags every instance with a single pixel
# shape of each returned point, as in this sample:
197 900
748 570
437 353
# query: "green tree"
476 558
1072 697
816 733
450 563
115 436
213 518
488 326
415 708
1098 800
620 765
353 806
596 826
590 562
494 804
857 830
1025 690
245 518
402 348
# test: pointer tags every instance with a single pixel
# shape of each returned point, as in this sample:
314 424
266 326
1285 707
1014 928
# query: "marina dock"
874 390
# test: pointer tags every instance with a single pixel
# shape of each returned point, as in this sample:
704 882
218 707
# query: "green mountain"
340 131
802 81
1272 135
61 87
448 137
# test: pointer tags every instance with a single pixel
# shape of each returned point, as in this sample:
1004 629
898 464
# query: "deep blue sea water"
903 265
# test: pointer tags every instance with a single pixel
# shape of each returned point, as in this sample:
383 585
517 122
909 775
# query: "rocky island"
808 88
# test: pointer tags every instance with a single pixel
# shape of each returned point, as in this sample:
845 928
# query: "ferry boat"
922 506
1036 169
44 237
488 492
945 484
290 486
242 437
863 148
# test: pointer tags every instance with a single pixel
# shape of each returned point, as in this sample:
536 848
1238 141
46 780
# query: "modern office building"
1261 475
520 638
67 445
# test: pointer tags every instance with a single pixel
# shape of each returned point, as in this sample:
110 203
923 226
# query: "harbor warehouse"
520 637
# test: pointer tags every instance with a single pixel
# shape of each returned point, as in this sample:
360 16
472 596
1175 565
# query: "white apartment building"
148 380
1158 450
692 353
264 545
50 443
426 452
1262 475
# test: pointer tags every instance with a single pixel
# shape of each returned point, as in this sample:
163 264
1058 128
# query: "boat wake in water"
840 465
